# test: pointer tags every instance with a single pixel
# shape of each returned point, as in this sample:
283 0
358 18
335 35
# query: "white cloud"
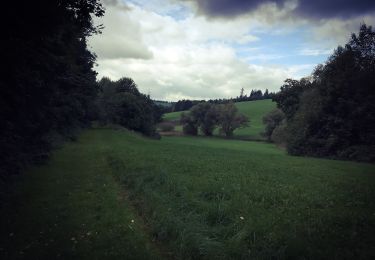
194 57
121 37
196 72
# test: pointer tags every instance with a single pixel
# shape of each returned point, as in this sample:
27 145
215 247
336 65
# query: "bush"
189 124
166 126
279 134
121 103
272 120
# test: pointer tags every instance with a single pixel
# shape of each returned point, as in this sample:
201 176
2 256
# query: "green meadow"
255 110
173 116
115 194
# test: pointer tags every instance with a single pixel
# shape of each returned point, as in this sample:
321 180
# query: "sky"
203 49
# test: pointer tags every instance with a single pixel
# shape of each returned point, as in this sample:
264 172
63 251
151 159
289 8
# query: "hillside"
255 110
114 194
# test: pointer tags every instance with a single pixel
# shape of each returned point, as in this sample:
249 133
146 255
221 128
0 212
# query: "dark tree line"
48 85
331 113
120 102
255 94
184 104
207 117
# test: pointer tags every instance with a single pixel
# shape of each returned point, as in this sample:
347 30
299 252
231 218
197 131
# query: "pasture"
190 197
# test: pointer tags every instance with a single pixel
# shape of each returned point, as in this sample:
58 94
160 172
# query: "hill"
255 110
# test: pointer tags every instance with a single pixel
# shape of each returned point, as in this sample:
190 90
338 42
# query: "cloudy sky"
201 49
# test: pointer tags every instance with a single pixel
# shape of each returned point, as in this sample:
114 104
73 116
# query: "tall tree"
230 119
332 113
49 84
120 102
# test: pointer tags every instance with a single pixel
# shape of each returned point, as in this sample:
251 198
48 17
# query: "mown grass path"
72 208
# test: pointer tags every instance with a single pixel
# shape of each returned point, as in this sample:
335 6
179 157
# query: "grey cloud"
307 8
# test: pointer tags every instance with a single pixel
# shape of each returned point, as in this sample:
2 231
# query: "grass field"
172 116
196 197
72 208
255 110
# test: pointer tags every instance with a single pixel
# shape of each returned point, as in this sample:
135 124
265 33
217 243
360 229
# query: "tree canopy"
120 102
207 117
332 113
49 85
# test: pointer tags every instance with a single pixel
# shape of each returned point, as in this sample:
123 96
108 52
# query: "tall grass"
213 198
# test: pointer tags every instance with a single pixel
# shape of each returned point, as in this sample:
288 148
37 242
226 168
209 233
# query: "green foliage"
288 98
271 121
279 134
252 109
166 126
230 119
189 124
49 85
207 117
121 103
333 113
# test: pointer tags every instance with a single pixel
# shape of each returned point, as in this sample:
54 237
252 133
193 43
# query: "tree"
255 95
271 121
206 117
230 119
189 124
120 102
266 94
332 113
288 97
242 93
50 85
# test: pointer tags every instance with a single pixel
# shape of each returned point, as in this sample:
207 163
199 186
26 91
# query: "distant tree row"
332 112
120 102
48 85
206 117
255 94
184 104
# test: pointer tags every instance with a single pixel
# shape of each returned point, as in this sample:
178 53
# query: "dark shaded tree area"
184 104
255 94
120 102
48 84
332 113
207 117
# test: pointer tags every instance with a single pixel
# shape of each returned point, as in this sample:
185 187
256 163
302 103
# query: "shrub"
279 134
272 120
166 126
